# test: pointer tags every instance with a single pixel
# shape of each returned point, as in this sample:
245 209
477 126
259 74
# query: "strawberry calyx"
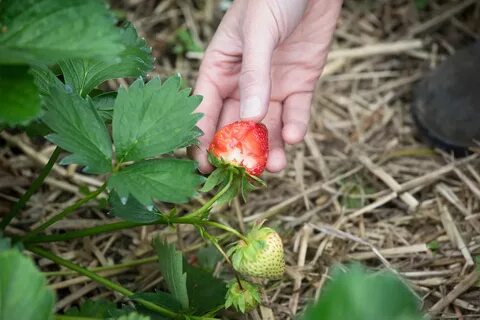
246 251
242 182
243 296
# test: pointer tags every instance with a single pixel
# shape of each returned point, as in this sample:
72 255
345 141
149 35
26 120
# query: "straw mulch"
361 187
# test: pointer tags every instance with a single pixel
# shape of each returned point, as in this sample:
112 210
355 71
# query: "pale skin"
262 65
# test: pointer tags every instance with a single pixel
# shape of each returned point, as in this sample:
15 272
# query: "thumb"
259 40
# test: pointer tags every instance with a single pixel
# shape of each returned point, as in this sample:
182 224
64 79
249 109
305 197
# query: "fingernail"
250 108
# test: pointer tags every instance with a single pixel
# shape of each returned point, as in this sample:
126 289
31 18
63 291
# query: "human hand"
262 64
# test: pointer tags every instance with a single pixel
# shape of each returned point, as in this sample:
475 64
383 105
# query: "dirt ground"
361 187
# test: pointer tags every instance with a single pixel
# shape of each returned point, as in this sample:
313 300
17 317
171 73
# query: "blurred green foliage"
359 294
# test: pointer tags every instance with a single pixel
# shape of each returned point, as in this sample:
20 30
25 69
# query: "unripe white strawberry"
261 256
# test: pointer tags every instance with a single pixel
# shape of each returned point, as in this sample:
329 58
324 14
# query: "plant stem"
225 255
120 266
222 252
226 228
239 281
20 204
130 263
42 238
111 285
103 281
65 212
210 202
193 218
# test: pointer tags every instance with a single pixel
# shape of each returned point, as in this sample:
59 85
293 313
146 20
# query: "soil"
361 187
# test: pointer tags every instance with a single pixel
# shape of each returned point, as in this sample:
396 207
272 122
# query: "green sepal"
244 252
202 232
213 180
231 193
242 182
236 259
217 163
251 183
244 298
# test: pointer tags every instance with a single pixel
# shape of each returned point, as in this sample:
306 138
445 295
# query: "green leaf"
421 4
367 295
354 192
159 298
171 266
184 42
100 308
5 243
85 74
433 245
208 257
78 129
134 316
153 118
19 97
167 180
205 291
23 289
132 210
47 30
36 128
104 104
45 79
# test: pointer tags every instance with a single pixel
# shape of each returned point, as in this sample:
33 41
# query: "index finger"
210 108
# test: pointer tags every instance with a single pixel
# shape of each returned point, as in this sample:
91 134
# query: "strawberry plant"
54 58
356 293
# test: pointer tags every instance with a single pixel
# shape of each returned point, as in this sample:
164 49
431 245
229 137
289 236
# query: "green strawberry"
244 298
261 256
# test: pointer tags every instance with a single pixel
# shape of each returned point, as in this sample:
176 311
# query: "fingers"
276 155
260 36
296 114
218 76
230 112
210 107
273 120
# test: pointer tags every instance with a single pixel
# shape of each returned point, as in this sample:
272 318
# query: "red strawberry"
242 143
